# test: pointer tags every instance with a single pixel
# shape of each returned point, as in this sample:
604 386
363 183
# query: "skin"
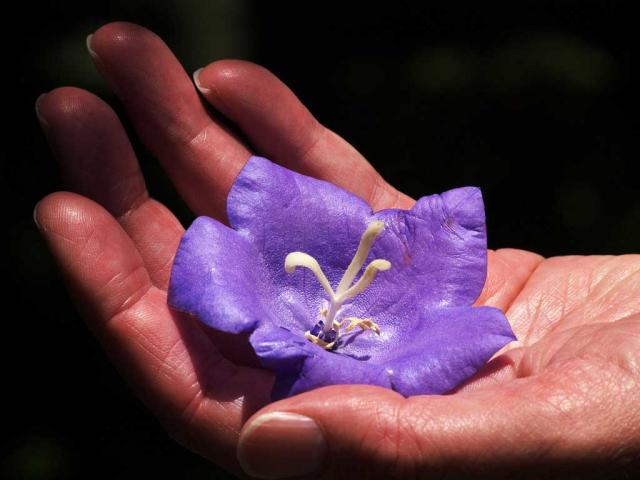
564 399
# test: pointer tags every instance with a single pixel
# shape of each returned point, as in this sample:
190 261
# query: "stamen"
326 333
369 274
300 259
369 235
363 323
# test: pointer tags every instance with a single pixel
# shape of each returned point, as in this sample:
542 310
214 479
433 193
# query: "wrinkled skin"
565 397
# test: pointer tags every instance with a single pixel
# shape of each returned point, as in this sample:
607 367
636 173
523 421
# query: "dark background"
528 100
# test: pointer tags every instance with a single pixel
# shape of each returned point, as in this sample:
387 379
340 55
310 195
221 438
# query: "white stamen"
299 259
369 235
378 265
345 289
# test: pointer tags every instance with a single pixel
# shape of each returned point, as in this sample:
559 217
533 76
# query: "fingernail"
196 80
41 119
281 445
91 51
35 216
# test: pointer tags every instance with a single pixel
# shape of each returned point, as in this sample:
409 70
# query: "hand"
564 398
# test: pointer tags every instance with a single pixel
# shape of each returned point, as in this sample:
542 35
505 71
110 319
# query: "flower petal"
217 276
438 255
301 366
280 211
448 346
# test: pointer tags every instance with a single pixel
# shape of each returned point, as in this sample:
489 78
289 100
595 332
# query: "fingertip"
230 69
43 209
65 103
226 77
61 212
112 38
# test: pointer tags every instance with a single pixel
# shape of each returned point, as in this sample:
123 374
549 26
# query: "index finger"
280 126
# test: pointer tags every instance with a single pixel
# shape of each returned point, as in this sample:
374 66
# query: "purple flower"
364 298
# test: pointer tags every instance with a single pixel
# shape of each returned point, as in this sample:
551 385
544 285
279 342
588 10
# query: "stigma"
326 332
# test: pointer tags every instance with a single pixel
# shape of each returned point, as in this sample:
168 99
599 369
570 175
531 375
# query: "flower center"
327 332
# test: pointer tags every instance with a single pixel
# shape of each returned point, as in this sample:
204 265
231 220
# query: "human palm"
565 396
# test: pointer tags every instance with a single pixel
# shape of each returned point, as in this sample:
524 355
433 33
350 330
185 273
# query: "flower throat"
327 331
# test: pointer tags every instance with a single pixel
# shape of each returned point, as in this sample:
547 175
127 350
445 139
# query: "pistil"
326 332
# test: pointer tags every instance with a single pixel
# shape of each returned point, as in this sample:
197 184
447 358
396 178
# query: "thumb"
529 426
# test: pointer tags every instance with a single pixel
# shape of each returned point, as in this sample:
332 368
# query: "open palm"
566 396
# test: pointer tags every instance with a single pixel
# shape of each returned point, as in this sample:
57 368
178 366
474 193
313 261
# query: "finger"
532 427
98 161
280 127
201 157
508 270
95 154
170 362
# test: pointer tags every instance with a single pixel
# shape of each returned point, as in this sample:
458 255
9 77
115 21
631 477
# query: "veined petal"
217 276
280 211
438 253
446 347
